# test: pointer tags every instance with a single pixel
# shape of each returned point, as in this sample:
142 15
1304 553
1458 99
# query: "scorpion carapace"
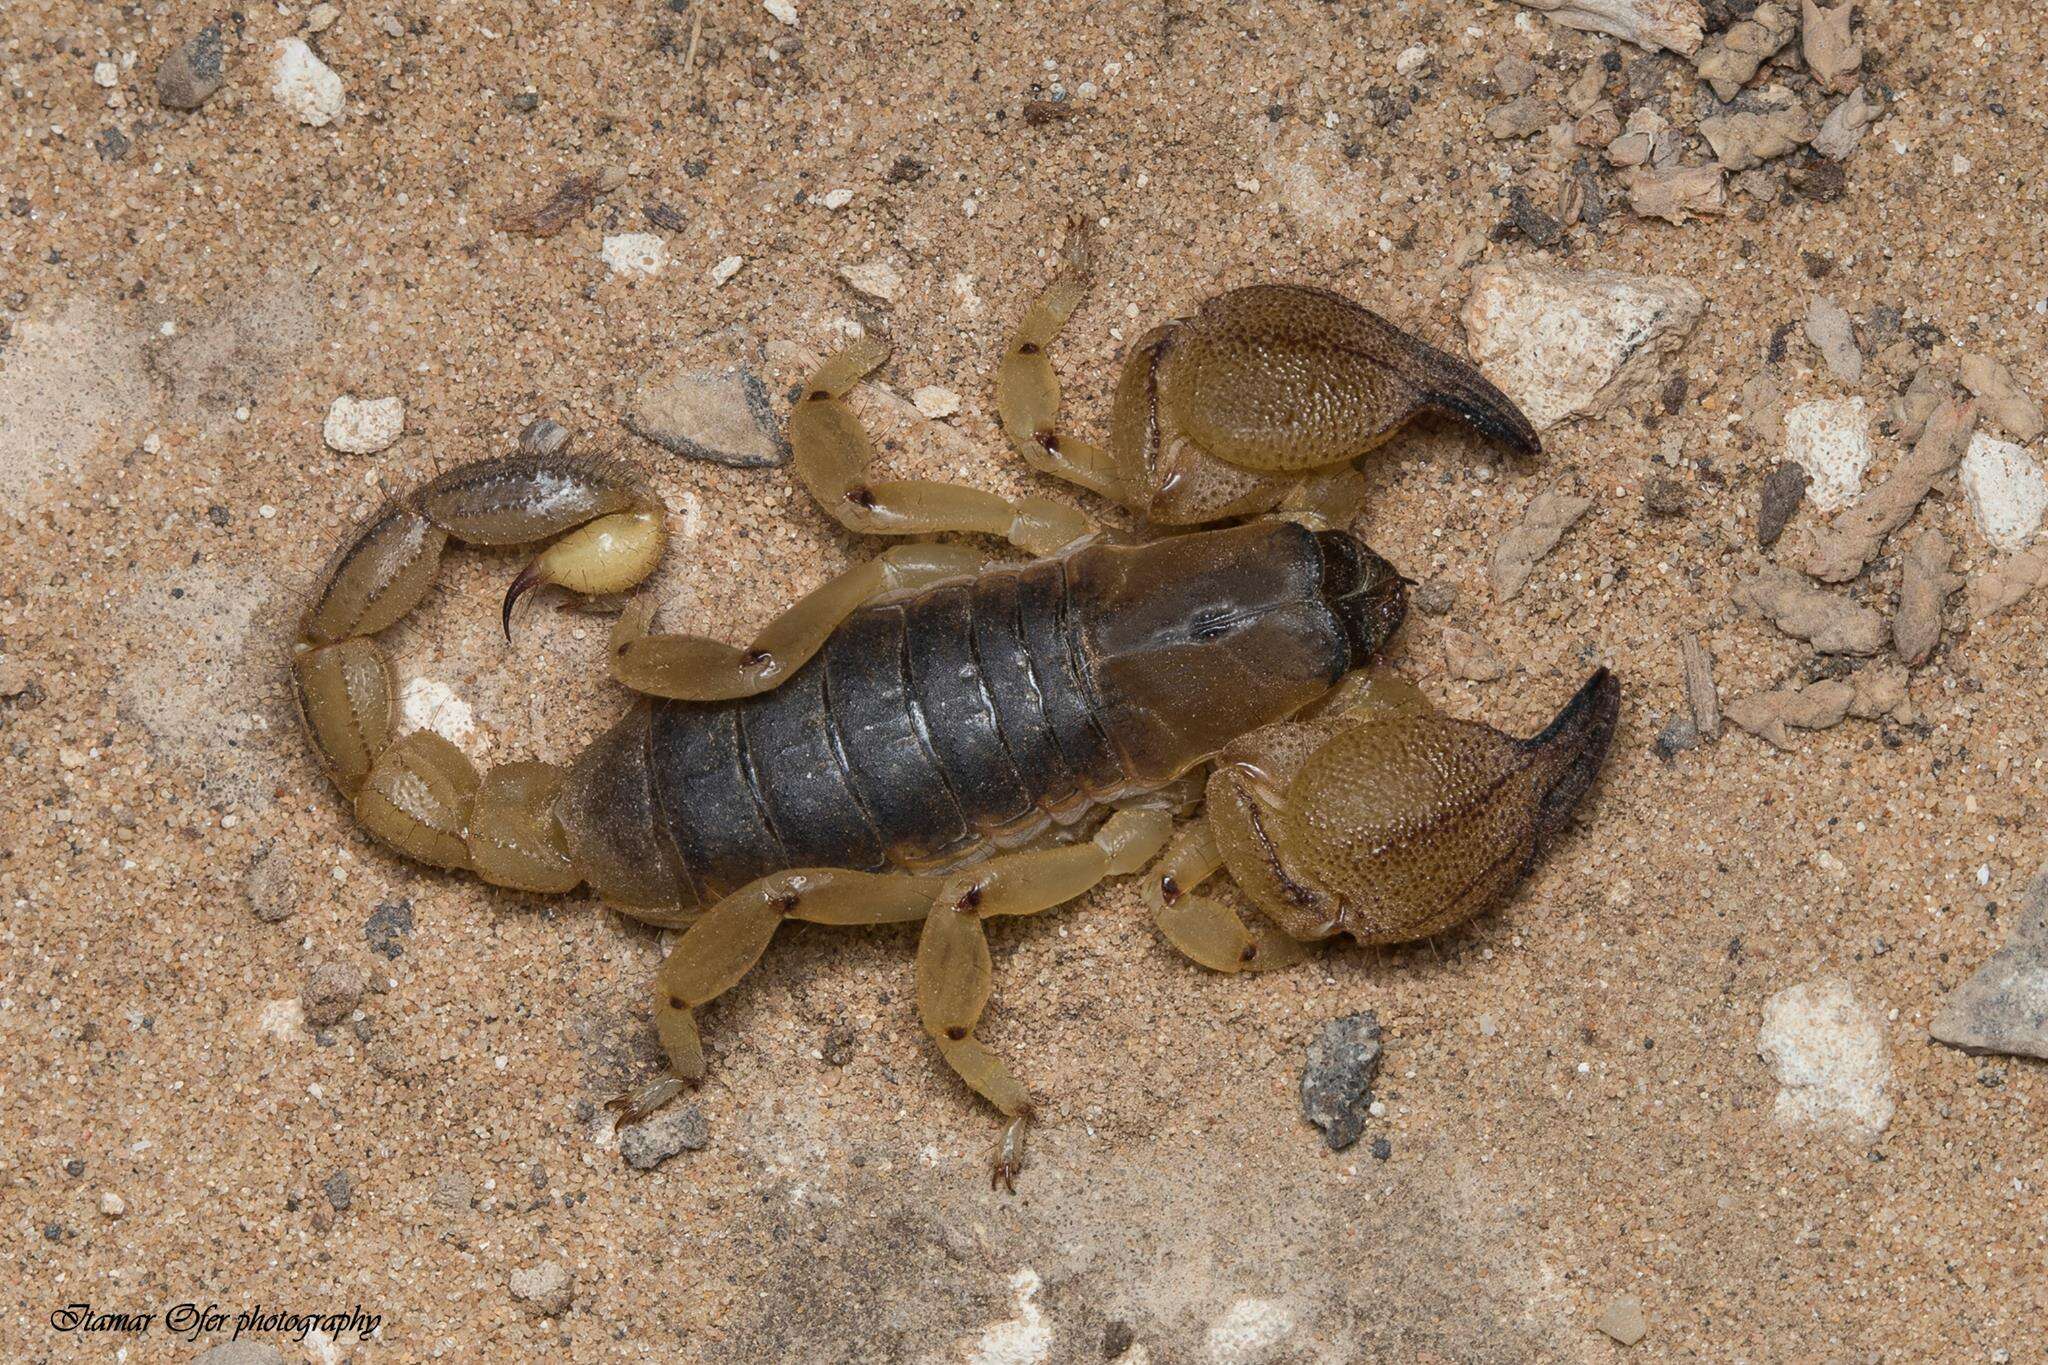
931 738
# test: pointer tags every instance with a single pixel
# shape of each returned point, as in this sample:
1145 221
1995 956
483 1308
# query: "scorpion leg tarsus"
1028 390
832 456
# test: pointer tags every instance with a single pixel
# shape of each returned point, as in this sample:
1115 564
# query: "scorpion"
934 737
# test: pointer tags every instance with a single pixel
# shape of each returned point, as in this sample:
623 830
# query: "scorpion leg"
697 668
419 793
729 938
1028 392
832 455
1205 929
953 967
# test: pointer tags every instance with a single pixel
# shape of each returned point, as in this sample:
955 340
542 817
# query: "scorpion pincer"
928 737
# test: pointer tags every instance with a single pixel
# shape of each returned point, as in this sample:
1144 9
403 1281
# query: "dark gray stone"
1336 1084
192 71
1783 491
387 927
340 1190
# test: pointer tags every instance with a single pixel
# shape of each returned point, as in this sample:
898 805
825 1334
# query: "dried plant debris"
1832 333
1877 692
575 194
1549 516
1678 194
2005 584
1783 492
1749 138
1841 132
1730 60
1925 586
1700 694
2002 399
1839 552
2003 1006
1828 621
1922 398
1833 52
1677 25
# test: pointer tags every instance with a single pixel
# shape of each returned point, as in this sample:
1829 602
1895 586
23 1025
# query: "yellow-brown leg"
1201 927
954 973
729 938
1028 391
697 668
832 457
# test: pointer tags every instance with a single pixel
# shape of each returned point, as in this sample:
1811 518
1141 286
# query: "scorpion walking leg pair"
953 966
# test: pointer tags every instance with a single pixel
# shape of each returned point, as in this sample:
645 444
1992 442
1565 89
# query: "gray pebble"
192 70
1680 735
1434 598
543 437
1336 1084
387 927
1783 491
1664 496
330 993
272 886
545 1289
721 415
838 1046
647 1145
2003 1006
340 1190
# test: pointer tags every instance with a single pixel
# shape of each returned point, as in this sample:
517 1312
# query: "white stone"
321 17
113 1205
2006 491
1411 60
782 10
1251 1331
876 279
105 74
1025 1339
1828 1051
1676 24
836 199
307 88
726 269
1829 439
935 402
363 426
426 704
1564 342
283 1020
635 253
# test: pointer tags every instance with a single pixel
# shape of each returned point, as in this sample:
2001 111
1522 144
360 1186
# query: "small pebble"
331 993
307 88
781 9
836 199
726 269
1435 597
876 280
635 253
1623 1320
1336 1082
191 71
363 426
112 1205
1664 496
675 1129
543 437
545 1289
1783 491
340 1190
721 415
105 75
935 402
321 17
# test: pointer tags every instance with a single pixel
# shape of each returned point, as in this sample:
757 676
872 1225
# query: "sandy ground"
1575 1107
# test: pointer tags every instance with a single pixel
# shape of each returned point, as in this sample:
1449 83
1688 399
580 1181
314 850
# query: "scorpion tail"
417 792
